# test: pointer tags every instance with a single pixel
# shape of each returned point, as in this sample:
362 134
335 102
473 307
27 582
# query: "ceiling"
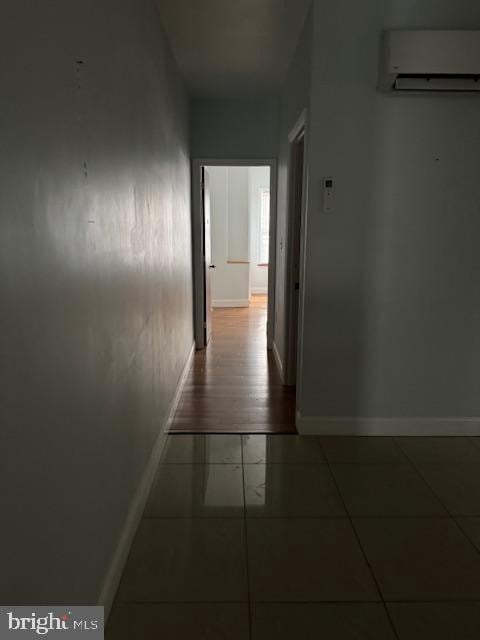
228 47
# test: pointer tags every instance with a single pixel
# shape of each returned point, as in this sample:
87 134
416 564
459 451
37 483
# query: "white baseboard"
258 291
278 360
231 303
310 425
137 506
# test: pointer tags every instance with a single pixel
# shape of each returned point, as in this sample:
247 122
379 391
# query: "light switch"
327 195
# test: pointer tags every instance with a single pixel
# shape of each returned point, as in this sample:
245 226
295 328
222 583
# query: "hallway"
234 385
283 537
165 158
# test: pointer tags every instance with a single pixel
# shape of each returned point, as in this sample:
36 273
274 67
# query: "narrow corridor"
234 385
285 537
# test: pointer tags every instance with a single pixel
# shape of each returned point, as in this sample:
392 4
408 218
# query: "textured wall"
95 280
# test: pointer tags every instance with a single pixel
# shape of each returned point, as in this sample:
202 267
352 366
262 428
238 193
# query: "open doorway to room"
236 203
234 243
234 385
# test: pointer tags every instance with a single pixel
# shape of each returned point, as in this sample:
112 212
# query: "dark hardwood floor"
233 385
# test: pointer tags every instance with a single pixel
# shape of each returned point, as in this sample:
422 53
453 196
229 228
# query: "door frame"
293 366
198 238
207 264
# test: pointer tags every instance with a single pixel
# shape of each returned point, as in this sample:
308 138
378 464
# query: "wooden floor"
234 386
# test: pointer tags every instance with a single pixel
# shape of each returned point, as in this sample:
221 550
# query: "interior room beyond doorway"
239 234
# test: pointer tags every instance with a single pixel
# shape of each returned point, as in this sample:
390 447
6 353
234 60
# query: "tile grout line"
248 464
355 533
320 517
250 621
451 516
297 602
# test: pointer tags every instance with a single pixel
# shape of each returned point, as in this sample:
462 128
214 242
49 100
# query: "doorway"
296 234
234 386
234 207
236 212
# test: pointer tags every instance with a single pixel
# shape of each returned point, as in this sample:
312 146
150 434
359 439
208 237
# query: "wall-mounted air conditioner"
430 61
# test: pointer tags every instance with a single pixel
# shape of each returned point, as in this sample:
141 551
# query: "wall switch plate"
327 195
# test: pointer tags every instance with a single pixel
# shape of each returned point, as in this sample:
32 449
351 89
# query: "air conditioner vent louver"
430 61
437 82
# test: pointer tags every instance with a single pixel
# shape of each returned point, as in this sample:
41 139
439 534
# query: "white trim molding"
299 126
258 291
137 506
339 426
295 302
231 303
278 360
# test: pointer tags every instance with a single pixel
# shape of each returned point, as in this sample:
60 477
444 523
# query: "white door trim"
298 127
197 231
293 370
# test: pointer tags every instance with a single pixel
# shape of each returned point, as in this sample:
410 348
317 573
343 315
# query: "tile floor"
288 537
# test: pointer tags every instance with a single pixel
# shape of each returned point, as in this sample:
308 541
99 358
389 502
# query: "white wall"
95 281
241 127
258 179
392 305
229 221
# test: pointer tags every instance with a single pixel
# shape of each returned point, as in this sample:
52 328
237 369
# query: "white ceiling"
233 46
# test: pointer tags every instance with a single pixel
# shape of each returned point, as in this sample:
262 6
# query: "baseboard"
258 291
137 507
231 303
310 425
278 360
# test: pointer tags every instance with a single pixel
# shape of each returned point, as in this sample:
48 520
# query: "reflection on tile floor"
275 537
